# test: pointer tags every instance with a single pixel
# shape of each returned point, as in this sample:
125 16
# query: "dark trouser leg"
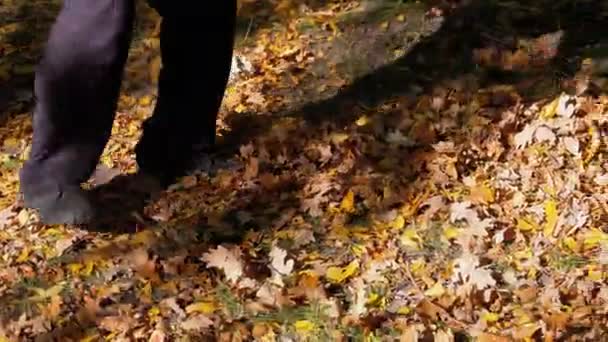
196 47
76 86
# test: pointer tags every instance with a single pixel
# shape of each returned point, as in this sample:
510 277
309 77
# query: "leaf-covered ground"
388 172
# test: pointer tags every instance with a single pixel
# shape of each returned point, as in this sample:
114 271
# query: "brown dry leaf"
23 217
6 216
158 335
572 145
526 294
428 309
525 331
278 261
196 323
482 194
228 260
52 310
523 138
141 262
468 271
252 169
189 181
544 134
443 336
409 335
557 321
257 99
485 337
121 323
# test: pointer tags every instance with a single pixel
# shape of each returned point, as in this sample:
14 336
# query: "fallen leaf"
120 323
544 134
572 145
566 106
601 180
485 337
348 202
196 323
304 326
523 138
201 307
340 274
252 169
158 335
436 291
228 260
278 261
551 217
467 270
549 110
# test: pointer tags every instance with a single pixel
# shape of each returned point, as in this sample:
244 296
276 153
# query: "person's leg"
196 46
76 88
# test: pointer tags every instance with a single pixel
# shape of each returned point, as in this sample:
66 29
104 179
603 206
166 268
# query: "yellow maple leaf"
362 121
399 222
146 291
595 274
75 268
526 224
304 326
482 193
550 109
436 291
570 243
490 317
202 307
24 255
153 312
594 238
88 269
418 266
338 138
145 100
551 217
43 294
404 310
348 202
451 232
411 239
358 249
340 274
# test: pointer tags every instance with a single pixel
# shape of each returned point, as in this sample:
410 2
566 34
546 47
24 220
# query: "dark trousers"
78 80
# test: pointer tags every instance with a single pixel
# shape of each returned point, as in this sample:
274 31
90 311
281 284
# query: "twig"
248 30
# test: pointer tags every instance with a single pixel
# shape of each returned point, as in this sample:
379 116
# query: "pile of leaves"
464 209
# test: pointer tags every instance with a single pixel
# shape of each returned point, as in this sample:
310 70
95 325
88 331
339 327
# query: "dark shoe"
67 205
166 168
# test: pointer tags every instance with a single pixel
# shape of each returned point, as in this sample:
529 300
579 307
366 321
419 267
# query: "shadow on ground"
25 28
437 61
